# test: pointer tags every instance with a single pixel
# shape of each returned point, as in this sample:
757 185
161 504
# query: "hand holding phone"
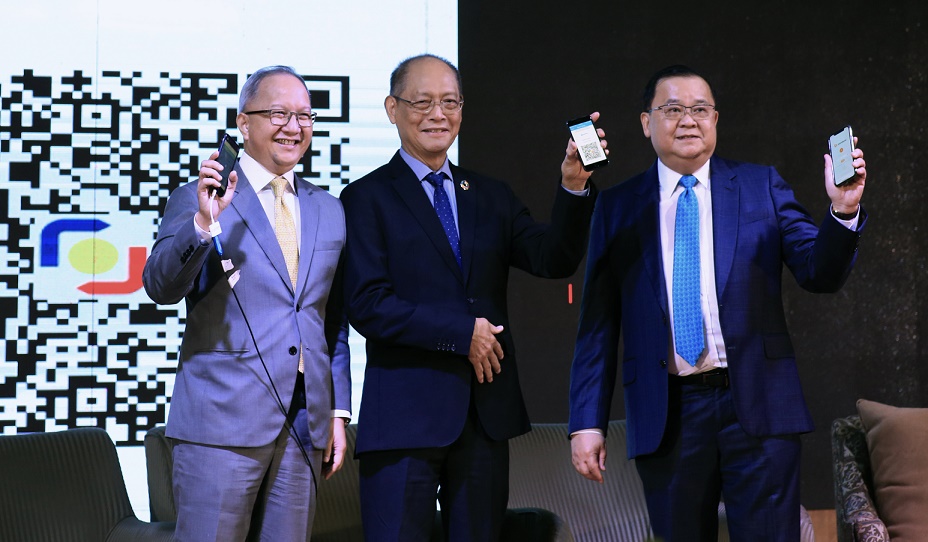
228 154
589 146
841 145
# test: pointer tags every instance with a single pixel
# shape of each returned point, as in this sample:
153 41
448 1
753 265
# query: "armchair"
67 486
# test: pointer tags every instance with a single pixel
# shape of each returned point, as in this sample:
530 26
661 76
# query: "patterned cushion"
856 514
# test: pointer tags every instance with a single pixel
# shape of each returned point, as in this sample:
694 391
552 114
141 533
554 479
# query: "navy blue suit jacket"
406 294
758 227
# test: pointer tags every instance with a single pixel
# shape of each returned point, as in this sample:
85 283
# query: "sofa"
541 475
548 500
338 508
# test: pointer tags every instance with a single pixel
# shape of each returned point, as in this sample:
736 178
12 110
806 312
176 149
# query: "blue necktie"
687 309
443 209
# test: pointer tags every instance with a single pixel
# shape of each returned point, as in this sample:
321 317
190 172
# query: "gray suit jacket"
222 393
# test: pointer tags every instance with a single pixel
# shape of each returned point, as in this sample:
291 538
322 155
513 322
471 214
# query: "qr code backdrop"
86 166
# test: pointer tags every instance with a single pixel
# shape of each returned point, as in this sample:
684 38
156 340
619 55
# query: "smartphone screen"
840 144
591 152
228 154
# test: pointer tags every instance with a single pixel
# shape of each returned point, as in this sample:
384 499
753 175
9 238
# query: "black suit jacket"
406 294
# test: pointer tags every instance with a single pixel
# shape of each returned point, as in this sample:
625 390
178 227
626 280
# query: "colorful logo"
92 256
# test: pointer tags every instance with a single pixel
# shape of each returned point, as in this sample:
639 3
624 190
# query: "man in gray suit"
262 392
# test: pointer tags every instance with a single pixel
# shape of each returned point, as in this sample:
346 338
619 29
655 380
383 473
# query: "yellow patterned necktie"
285 230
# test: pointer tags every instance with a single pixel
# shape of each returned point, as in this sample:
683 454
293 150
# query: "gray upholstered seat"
67 486
541 474
548 500
338 510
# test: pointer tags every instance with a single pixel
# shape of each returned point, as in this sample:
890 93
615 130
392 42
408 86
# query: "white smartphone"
591 151
840 145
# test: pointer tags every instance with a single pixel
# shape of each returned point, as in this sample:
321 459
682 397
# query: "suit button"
664 363
298 308
293 350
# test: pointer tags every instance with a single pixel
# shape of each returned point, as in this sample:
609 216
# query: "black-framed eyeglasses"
424 106
279 117
678 111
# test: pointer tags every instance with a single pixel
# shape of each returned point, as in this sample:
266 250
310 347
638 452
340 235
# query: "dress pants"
706 456
470 479
265 493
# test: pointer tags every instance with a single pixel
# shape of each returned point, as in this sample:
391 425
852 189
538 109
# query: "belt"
716 378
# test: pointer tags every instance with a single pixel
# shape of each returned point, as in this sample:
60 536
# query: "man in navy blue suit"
686 261
427 264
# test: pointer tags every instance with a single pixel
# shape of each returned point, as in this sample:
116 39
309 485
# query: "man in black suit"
426 276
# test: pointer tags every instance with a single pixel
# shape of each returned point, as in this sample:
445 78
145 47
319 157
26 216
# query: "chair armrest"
160 466
869 530
856 513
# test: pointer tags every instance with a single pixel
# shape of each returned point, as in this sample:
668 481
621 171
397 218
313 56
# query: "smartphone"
592 154
228 154
840 145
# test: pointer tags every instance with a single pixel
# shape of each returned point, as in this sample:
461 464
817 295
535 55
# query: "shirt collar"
258 176
670 179
420 169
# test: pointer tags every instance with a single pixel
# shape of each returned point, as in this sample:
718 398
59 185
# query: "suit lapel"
467 216
309 224
251 213
725 209
410 191
649 230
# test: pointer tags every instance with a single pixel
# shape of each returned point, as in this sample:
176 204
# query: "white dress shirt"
670 189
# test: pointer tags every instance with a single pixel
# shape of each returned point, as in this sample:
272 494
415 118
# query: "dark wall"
786 75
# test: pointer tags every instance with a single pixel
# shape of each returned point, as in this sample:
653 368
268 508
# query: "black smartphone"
228 154
589 147
840 145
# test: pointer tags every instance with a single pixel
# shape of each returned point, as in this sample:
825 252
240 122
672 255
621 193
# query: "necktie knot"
435 179
688 181
278 184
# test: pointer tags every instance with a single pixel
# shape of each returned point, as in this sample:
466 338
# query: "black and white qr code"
591 151
86 166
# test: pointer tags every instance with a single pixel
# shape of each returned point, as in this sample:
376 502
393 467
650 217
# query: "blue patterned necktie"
443 209
687 309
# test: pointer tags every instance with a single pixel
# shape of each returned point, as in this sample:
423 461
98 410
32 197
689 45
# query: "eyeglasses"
678 111
280 117
424 106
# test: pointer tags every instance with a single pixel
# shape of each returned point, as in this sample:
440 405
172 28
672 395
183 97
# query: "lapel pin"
465 185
